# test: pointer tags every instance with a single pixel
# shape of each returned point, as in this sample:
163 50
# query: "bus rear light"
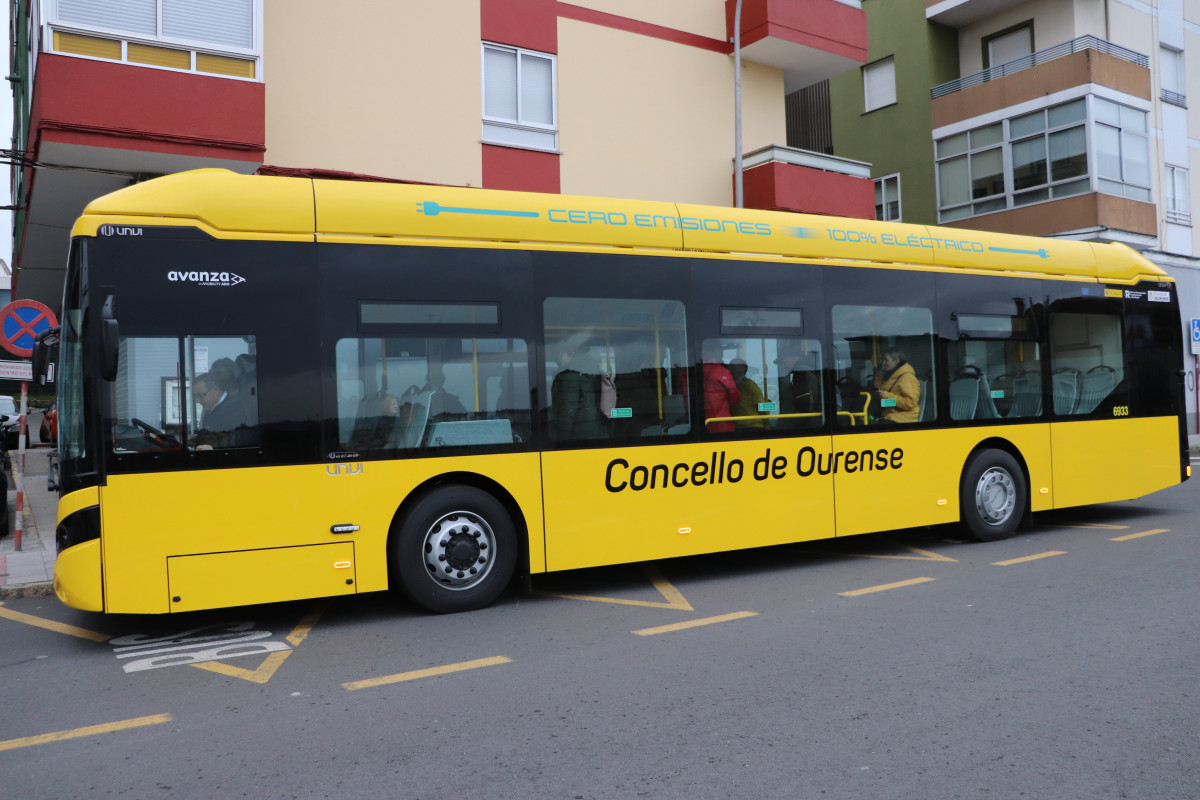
1189 470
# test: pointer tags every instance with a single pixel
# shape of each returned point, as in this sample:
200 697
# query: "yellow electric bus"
281 388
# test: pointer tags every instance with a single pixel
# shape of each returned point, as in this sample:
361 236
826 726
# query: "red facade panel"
520 170
104 104
532 24
820 24
787 187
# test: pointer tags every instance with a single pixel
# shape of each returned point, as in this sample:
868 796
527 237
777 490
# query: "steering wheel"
153 434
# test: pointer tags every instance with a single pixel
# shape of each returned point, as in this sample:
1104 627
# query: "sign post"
1196 365
20 323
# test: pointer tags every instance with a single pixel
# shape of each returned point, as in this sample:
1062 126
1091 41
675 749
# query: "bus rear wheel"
455 550
992 496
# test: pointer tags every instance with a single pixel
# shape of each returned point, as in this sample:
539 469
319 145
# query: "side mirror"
42 345
110 340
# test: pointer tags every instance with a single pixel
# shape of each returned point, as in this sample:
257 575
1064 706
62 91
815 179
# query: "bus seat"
923 401
1027 397
414 430
987 406
1097 383
964 398
1065 386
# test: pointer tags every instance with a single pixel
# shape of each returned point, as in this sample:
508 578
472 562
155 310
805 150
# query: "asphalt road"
1060 663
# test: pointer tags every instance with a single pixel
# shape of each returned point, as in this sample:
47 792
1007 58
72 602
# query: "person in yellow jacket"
897 388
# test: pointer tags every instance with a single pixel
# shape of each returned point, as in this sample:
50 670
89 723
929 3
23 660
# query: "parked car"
10 421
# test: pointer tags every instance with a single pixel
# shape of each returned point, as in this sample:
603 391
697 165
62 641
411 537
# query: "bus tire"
456 550
992 496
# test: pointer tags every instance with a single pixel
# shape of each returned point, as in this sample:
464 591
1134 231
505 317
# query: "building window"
519 98
887 198
1044 155
219 37
1171 77
1122 150
1008 45
879 83
1175 188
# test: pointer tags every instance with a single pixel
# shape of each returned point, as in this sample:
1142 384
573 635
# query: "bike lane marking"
885 587
1025 559
674 598
695 623
1127 537
266 670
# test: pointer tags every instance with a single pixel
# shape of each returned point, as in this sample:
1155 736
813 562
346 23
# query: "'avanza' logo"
206 278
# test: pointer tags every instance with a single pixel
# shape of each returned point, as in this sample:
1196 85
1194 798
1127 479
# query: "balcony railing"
1041 57
1174 98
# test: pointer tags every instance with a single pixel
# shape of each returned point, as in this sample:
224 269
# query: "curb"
44 589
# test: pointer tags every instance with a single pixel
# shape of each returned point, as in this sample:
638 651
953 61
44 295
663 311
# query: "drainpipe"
737 105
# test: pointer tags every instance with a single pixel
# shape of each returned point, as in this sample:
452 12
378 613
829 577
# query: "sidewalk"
30 572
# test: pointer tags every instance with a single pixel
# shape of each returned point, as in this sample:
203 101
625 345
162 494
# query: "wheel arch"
477 481
1000 443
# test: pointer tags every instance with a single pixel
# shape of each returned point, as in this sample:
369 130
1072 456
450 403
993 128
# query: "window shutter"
222 22
499 83
133 16
537 90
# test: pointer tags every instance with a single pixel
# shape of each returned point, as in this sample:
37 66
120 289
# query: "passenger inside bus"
799 384
751 398
897 389
575 392
378 423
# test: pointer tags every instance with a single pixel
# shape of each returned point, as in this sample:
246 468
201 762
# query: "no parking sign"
20 323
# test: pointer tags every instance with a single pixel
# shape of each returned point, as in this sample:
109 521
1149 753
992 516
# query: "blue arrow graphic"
432 209
1041 253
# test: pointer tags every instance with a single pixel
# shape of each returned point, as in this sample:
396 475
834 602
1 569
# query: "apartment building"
1063 118
601 97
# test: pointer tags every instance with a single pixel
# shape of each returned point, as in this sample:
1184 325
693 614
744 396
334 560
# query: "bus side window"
615 368
1086 360
222 378
778 383
884 365
398 394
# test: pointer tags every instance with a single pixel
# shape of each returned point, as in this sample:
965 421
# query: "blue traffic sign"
20 323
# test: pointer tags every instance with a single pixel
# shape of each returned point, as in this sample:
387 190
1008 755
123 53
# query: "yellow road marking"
461 666
51 625
266 670
674 598
91 730
885 587
1140 535
695 623
1023 559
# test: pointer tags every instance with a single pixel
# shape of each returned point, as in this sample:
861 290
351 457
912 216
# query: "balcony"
787 179
1076 63
810 40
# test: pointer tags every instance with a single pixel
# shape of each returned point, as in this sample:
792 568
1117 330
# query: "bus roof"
230 205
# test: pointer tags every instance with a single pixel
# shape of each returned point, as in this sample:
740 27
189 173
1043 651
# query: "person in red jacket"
720 395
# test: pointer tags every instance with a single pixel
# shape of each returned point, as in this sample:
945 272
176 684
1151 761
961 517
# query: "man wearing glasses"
222 414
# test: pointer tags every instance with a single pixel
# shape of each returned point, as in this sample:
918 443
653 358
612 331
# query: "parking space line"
1023 559
461 666
51 625
91 730
885 587
1140 535
695 623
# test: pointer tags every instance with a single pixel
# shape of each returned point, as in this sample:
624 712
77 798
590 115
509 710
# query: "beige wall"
375 90
654 120
705 18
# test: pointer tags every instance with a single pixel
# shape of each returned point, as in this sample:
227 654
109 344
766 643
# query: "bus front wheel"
992 497
456 550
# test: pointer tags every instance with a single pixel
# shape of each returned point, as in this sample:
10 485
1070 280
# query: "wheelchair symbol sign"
1195 336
